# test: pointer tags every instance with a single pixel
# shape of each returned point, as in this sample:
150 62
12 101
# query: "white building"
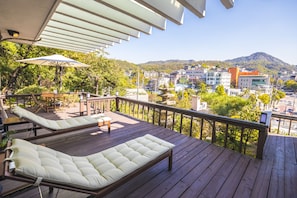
214 79
253 81
175 76
137 94
195 74
197 105
233 92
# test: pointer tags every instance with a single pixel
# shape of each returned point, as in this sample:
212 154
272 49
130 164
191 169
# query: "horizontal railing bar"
217 118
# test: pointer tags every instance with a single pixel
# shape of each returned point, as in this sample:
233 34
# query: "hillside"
261 61
173 65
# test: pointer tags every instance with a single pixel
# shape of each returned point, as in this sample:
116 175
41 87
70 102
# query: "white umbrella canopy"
55 60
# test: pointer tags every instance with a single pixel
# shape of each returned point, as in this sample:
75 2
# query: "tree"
291 84
102 73
16 75
220 90
202 88
276 96
183 80
265 99
279 83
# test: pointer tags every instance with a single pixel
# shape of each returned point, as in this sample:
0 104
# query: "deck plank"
277 184
220 177
290 168
200 178
230 185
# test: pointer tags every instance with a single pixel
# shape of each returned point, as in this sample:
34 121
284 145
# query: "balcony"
201 168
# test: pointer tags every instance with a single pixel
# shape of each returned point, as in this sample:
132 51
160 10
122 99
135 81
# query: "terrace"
200 168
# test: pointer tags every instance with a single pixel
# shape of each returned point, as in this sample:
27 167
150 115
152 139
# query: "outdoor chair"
62 126
39 105
96 174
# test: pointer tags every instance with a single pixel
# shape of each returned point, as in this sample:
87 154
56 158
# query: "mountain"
171 61
258 56
263 62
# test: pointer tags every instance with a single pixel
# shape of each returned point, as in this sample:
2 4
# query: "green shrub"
31 89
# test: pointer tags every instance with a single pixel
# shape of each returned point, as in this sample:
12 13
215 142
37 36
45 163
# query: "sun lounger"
65 125
95 174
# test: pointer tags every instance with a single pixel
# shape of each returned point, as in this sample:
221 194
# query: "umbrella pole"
56 80
60 80
58 77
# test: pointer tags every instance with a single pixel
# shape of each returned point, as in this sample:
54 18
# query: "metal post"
137 83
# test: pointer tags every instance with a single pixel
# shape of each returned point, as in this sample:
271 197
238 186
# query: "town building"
253 81
236 72
214 79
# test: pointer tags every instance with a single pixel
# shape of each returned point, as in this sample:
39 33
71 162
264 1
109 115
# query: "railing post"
261 142
226 136
117 104
201 128
241 139
81 107
181 123
191 126
88 107
213 135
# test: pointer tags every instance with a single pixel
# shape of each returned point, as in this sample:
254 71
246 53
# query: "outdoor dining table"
54 100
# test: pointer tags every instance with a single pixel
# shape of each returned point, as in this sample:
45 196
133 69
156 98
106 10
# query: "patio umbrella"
55 60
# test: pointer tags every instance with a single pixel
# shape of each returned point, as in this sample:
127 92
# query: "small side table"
16 121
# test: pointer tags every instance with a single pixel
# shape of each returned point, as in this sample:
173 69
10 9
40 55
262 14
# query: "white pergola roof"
87 25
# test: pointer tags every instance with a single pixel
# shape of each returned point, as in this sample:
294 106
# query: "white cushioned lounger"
91 174
69 124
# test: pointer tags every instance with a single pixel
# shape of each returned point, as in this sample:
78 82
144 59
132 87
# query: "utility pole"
137 83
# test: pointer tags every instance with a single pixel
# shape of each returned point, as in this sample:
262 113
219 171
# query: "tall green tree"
291 84
265 99
220 90
277 95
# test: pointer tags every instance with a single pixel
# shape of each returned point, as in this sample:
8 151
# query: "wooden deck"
199 169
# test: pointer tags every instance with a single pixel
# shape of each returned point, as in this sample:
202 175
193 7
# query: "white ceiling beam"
63 19
66 28
170 9
57 41
71 41
68 36
103 11
91 18
228 3
57 46
138 11
198 7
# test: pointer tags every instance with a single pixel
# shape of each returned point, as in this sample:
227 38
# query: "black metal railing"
243 136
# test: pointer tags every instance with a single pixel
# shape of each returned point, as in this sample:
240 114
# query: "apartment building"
253 81
214 79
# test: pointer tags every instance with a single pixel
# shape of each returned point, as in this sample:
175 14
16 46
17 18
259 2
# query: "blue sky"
251 26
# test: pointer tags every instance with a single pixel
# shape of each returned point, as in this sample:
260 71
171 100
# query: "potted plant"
3 142
4 139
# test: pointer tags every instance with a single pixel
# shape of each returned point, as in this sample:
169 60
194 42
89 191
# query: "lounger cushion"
60 124
90 172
